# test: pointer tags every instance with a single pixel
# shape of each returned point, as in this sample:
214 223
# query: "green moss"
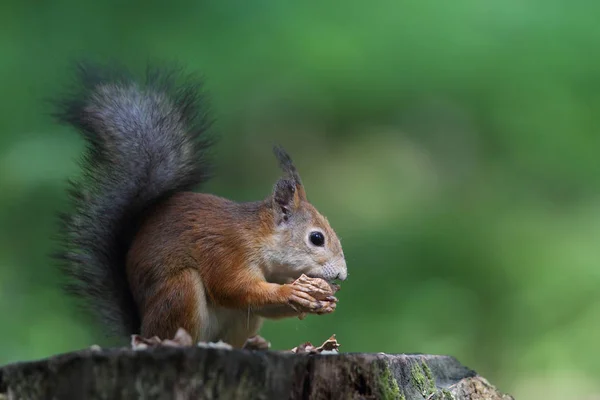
443 394
388 387
428 374
417 377
422 379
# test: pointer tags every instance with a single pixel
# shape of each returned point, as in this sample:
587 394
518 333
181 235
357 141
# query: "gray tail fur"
146 140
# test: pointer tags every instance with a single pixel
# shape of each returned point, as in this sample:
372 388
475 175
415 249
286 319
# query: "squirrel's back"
145 141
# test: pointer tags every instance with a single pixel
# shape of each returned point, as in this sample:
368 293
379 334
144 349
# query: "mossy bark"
205 373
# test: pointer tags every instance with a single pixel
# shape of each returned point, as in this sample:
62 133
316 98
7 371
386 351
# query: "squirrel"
147 254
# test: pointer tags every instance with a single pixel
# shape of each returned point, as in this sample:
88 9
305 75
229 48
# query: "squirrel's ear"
286 199
300 191
287 165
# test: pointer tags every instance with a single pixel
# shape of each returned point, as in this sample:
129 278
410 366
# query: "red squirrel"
147 254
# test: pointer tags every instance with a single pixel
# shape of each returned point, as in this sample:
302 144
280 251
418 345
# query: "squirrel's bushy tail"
145 141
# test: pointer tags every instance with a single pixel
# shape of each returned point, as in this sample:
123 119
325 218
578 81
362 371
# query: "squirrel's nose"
342 275
343 270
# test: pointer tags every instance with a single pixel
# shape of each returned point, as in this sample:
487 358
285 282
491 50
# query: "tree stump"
213 373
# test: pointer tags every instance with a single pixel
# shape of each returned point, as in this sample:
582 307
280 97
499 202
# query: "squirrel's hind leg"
179 302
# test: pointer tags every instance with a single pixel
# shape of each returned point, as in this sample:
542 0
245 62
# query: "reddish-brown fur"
200 239
212 266
197 261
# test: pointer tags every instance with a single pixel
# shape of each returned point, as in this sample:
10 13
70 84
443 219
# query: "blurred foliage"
453 146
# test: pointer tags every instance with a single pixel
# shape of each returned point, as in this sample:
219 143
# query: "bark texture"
207 373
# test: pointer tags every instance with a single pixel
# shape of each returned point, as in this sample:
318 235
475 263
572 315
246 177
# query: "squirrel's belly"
229 325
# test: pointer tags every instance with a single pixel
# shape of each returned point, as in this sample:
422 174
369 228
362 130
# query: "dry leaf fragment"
304 348
181 339
330 346
140 343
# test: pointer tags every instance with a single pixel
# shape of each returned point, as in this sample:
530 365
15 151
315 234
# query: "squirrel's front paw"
318 288
312 295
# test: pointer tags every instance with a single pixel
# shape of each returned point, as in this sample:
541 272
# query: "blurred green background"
453 146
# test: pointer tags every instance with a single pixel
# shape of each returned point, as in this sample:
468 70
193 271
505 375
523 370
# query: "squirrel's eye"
317 238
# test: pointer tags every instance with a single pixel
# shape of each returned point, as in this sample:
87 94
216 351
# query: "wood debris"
330 346
181 339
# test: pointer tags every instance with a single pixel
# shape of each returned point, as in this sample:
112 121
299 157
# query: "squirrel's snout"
343 271
331 271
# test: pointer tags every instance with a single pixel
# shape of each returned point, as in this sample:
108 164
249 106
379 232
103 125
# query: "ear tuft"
287 165
285 198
